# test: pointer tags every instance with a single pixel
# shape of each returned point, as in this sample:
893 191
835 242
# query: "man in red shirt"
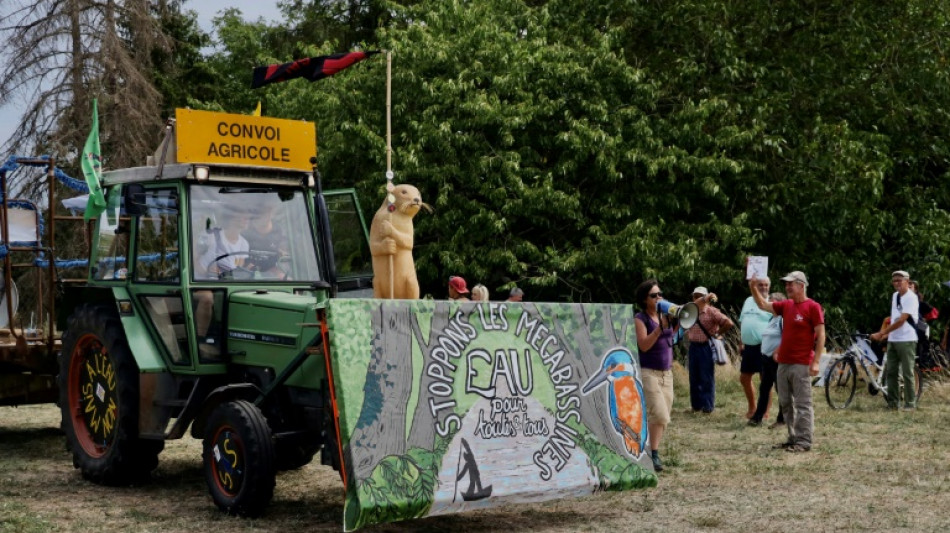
803 341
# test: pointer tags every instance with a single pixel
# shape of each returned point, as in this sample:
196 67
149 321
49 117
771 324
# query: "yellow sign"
222 138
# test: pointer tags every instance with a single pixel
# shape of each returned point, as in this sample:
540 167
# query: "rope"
13 163
74 263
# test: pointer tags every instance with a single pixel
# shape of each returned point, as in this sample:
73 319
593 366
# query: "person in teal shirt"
753 321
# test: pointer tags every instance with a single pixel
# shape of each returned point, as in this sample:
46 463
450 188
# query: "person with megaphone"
655 333
711 322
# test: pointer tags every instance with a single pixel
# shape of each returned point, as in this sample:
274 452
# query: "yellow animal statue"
390 242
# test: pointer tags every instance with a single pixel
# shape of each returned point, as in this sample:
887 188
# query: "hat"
458 284
798 276
701 290
900 274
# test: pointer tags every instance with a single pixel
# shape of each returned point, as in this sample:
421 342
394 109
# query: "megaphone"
687 313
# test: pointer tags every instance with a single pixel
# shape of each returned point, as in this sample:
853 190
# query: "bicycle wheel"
939 357
840 383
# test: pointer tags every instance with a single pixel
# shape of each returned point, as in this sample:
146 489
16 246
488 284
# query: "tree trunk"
422 434
381 428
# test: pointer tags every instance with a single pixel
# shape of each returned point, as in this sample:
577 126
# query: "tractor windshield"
251 233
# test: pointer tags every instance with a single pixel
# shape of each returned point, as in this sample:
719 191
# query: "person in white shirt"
228 248
901 341
226 252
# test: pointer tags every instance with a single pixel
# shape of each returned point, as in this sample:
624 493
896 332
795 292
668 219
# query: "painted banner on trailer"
446 407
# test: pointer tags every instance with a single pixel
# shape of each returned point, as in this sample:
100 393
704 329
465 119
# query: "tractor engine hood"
271 318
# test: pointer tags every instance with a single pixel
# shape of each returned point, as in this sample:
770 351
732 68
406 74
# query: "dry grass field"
870 470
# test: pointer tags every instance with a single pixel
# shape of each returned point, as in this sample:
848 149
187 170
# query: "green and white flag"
92 168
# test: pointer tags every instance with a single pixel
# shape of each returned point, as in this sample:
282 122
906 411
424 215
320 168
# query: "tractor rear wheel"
239 460
99 400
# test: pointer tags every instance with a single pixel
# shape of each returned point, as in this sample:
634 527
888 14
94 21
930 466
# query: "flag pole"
389 158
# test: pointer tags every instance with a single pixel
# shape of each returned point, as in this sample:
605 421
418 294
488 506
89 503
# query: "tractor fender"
226 393
147 355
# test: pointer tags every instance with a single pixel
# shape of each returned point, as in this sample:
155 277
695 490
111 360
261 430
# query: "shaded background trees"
576 148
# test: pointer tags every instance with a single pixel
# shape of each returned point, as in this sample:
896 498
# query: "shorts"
658 392
751 359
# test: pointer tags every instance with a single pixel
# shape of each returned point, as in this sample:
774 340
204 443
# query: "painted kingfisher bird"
624 396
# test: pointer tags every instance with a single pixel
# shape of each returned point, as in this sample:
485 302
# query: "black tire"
840 383
99 400
239 460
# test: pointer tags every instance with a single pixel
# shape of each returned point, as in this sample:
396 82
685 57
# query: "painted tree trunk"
381 428
422 434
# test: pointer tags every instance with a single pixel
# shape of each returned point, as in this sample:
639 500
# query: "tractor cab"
188 241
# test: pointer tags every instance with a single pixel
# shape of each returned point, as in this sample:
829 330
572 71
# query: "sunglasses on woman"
656 295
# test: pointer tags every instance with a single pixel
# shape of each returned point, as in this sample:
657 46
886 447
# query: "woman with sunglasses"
655 344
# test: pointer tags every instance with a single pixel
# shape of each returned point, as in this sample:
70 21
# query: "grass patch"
16 517
870 470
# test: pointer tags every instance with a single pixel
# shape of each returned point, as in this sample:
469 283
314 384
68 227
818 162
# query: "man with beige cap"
803 341
901 341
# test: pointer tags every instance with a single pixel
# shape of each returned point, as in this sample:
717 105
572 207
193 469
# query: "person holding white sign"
753 322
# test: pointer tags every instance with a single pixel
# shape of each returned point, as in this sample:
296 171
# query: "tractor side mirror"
133 198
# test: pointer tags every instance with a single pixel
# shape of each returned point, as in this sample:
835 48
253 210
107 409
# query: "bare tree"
60 54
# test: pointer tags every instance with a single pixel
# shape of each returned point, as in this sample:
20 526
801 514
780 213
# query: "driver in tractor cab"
267 242
226 252
227 247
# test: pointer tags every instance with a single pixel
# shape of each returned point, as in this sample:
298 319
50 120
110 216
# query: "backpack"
919 324
772 336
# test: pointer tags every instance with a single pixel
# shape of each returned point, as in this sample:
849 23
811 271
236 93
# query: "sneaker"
797 448
777 424
909 408
783 445
657 464
754 423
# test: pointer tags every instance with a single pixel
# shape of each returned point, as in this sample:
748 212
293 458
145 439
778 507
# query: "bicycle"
939 359
841 378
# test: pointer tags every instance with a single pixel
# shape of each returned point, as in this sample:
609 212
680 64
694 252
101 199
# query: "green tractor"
209 276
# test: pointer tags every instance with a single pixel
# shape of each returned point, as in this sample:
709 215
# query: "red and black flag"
312 68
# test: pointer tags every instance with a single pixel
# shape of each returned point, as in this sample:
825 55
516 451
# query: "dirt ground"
871 469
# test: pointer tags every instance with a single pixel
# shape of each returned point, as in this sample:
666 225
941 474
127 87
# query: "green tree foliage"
400 488
576 148
842 176
534 146
181 71
615 473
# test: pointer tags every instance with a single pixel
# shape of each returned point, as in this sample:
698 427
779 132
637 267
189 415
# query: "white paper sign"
756 266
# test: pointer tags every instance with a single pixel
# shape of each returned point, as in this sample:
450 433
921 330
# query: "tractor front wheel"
239 460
